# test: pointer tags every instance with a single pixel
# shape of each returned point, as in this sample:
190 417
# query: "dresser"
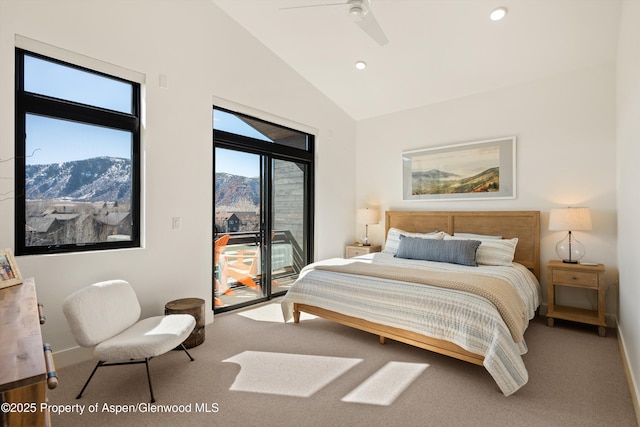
26 369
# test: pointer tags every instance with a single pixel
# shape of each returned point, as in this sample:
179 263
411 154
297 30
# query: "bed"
448 320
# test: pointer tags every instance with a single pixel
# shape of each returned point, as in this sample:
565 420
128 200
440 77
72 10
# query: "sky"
58 141
235 162
55 141
64 82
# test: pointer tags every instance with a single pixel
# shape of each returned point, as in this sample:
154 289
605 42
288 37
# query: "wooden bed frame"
525 225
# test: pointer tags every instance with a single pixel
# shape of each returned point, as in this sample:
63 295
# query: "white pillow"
493 251
475 236
393 238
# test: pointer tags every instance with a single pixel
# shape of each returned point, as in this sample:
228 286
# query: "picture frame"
9 272
481 170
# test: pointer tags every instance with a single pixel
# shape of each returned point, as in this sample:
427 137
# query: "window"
263 204
77 158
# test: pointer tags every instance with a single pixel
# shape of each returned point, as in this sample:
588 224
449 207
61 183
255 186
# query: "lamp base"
569 250
366 244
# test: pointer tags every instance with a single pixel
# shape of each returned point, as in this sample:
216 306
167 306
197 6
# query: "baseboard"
72 356
628 371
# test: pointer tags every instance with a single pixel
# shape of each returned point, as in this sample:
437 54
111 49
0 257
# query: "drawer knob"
41 314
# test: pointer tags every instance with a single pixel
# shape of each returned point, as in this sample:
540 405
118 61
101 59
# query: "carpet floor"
255 370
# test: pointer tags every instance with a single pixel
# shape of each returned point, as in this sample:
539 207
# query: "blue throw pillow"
453 251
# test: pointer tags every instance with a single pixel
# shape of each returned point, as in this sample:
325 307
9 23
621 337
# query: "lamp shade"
368 216
570 219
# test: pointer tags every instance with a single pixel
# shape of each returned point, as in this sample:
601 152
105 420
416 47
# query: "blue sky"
231 123
60 81
56 141
235 162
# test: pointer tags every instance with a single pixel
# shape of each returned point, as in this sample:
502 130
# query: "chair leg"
185 350
146 363
100 363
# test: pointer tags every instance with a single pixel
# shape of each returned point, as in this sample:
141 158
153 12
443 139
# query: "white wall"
204 54
628 194
566 156
566 130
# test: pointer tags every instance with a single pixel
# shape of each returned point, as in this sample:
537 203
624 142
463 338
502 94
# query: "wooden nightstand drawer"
353 250
583 279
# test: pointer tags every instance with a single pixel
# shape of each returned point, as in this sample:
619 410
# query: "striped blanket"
498 291
468 320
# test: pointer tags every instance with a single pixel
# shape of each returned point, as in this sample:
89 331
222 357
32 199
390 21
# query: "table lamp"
569 249
367 216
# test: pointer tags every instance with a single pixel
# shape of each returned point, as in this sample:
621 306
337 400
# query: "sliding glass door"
262 209
238 223
289 223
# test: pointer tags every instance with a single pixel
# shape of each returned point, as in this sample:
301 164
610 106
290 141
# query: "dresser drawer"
578 278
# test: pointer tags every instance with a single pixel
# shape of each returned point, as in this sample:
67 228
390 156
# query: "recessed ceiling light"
498 13
361 65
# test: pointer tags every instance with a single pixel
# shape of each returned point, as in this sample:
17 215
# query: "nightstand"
355 250
590 277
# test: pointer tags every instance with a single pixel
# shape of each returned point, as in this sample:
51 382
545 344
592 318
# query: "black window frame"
47 106
271 151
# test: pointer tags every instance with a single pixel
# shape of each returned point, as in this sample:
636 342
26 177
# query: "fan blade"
370 25
313 5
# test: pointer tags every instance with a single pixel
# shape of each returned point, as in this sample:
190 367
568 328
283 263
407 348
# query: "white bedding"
467 320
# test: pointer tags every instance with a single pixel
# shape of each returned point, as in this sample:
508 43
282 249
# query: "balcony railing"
252 238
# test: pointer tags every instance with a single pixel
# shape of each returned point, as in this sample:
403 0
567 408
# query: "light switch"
176 222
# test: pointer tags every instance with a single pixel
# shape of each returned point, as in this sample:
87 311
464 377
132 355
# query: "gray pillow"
453 251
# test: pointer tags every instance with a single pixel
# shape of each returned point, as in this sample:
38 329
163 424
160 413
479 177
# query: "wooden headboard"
525 225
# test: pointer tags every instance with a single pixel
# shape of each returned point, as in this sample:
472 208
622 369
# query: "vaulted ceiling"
437 50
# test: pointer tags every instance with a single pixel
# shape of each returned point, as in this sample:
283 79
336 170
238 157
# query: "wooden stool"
194 307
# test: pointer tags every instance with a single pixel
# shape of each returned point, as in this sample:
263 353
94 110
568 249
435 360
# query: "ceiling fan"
360 11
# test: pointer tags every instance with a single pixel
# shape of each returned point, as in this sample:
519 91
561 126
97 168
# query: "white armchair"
106 315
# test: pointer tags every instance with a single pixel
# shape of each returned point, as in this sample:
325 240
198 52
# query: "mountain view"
108 179
82 201
99 179
232 190
439 182
88 201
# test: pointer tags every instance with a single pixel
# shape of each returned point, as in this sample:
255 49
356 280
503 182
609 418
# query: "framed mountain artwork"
480 170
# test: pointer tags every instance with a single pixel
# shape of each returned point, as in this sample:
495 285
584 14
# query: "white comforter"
467 320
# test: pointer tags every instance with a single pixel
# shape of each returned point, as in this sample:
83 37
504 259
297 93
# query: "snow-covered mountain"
92 180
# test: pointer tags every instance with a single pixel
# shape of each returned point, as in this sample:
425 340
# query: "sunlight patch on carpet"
384 387
270 313
287 374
